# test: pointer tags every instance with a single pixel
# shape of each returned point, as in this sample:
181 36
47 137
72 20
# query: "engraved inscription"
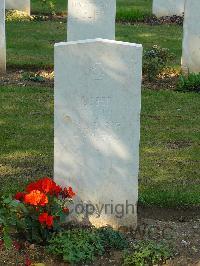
99 102
102 117
89 10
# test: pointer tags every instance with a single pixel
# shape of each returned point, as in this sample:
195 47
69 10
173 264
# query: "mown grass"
169 173
133 10
30 44
26 135
169 155
126 9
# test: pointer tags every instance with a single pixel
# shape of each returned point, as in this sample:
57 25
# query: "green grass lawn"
30 44
169 170
169 173
26 135
136 7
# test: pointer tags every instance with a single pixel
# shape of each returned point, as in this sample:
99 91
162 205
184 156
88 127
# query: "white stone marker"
97 125
168 7
21 5
2 37
90 19
191 39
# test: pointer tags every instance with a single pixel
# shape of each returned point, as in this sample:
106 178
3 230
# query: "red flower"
36 198
57 190
19 196
68 192
32 186
44 218
49 221
27 261
46 185
49 186
65 210
16 245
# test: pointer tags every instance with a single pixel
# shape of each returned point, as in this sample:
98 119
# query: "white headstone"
168 7
2 37
97 125
191 39
21 5
90 19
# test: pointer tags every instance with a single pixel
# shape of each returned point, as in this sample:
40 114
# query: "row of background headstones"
21 5
168 7
160 7
191 40
191 29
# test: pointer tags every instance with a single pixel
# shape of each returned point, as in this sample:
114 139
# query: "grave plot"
97 111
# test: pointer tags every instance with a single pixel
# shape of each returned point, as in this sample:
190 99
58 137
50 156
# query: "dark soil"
164 20
180 228
25 78
153 20
167 83
150 20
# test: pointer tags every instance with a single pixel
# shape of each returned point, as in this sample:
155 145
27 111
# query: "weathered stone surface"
97 125
21 5
90 19
168 7
2 37
191 39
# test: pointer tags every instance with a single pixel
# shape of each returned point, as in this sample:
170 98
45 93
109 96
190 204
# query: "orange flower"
36 198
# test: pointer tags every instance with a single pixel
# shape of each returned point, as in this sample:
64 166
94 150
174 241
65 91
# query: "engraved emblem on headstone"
96 71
